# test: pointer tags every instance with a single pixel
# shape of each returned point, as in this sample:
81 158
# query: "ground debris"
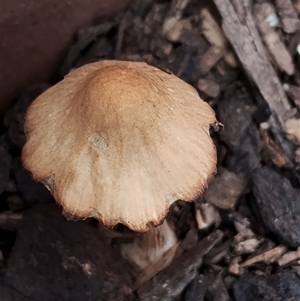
283 285
30 190
84 39
225 189
241 31
10 220
293 130
268 257
208 87
79 261
196 291
293 92
276 47
206 216
247 246
241 65
281 218
214 34
5 164
210 58
170 282
288 15
217 289
174 14
219 253
14 118
289 257
271 153
241 134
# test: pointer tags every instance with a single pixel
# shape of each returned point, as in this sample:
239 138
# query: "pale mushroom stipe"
120 141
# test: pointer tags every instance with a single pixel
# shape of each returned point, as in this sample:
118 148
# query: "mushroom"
120 142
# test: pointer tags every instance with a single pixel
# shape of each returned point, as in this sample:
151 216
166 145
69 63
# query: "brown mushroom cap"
120 141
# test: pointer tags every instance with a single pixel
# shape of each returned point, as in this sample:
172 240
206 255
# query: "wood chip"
268 257
288 15
293 129
218 253
207 216
275 46
215 35
225 189
177 33
197 290
234 267
210 58
272 153
247 246
208 87
239 26
294 93
297 5
217 289
289 257
280 217
174 14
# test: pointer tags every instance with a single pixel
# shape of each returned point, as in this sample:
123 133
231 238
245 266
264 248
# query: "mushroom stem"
150 247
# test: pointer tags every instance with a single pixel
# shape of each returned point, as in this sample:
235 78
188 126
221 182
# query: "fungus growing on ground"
120 142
